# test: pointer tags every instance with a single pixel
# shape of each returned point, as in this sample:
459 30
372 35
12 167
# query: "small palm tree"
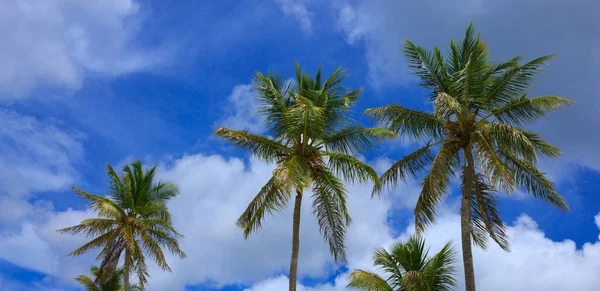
311 139
134 219
409 269
112 282
476 129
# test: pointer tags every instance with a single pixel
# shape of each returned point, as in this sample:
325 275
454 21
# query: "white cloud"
54 43
240 110
216 190
37 246
298 10
535 263
35 156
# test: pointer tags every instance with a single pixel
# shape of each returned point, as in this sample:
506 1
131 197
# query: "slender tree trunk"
465 222
295 240
126 271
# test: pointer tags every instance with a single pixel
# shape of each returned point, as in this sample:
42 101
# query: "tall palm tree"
409 269
111 282
475 129
134 219
311 139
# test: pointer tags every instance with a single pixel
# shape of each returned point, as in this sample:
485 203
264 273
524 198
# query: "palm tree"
311 139
476 129
409 268
112 282
134 219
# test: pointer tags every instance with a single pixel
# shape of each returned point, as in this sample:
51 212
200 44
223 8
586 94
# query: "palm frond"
104 206
513 138
405 168
513 82
493 166
407 122
91 227
434 185
446 106
87 283
263 148
425 65
329 205
388 263
525 110
367 281
269 199
439 271
352 169
530 178
485 218
412 254
99 241
355 139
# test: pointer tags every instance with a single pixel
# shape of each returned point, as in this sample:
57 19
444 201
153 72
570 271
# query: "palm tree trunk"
126 270
465 222
295 240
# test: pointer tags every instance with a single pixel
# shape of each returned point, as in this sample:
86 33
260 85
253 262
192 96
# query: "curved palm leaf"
409 268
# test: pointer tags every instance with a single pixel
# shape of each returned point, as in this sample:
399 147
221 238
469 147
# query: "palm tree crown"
112 281
134 219
409 269
311 139
475 130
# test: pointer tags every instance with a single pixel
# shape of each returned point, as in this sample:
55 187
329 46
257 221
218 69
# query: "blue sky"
85 84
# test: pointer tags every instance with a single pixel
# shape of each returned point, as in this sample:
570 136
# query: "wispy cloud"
298 10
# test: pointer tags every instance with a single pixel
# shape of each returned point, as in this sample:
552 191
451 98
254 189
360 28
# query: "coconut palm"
134 219
112 282
408 268
475 131
311 139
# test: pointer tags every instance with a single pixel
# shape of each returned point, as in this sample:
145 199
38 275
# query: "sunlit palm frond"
88 283
367 281
103 205
493 166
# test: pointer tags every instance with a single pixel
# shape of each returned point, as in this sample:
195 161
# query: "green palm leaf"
408 268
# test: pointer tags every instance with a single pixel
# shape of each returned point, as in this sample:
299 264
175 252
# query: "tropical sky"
86 83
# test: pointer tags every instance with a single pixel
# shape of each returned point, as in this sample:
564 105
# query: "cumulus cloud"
535 263
54 43
529 28
37 246
215 190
